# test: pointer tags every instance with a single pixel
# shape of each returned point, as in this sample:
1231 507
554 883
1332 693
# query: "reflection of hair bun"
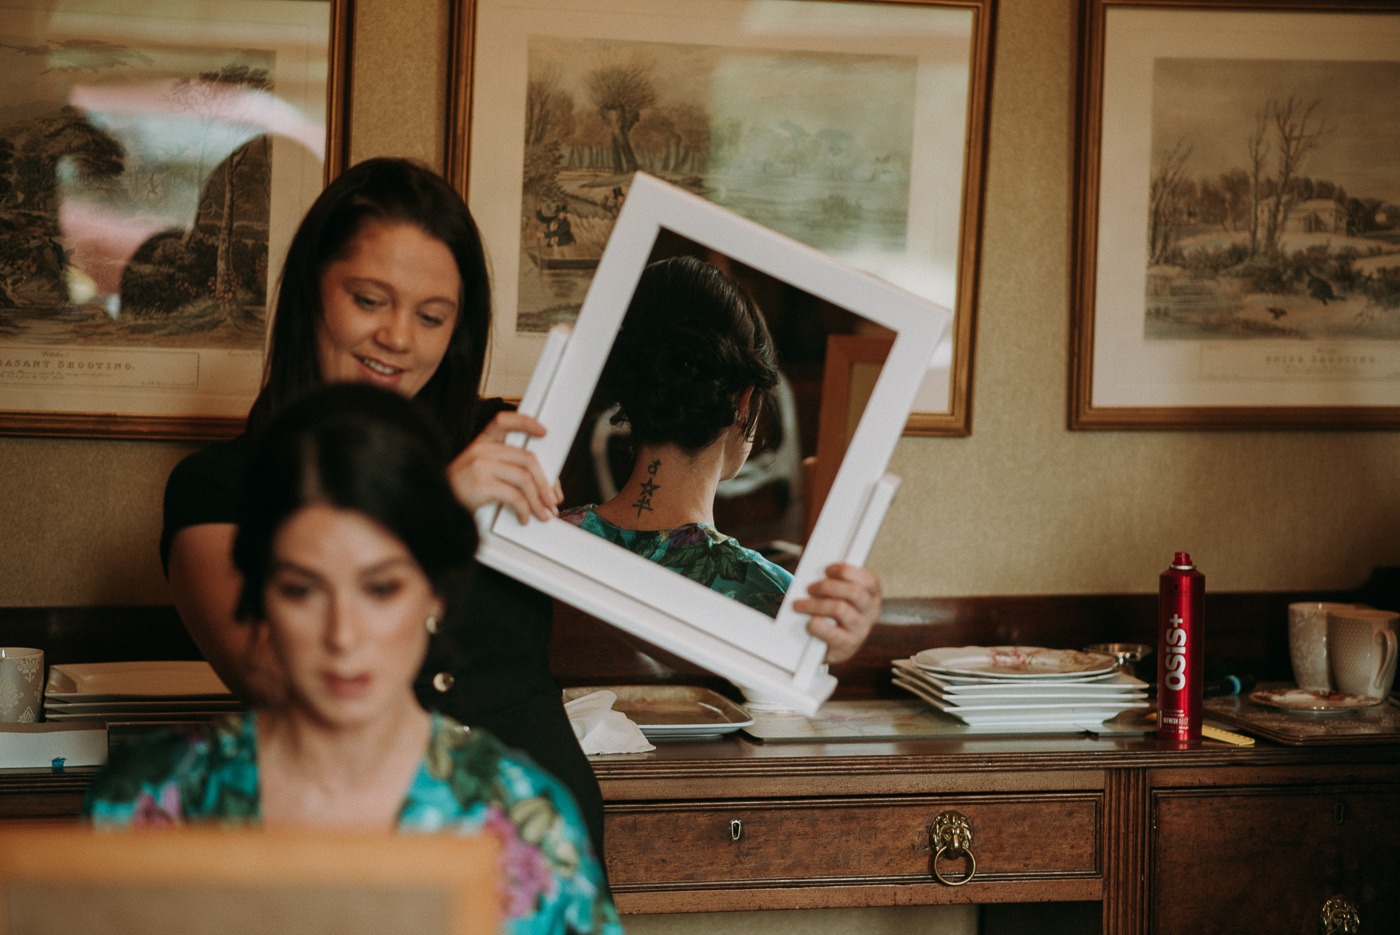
690 344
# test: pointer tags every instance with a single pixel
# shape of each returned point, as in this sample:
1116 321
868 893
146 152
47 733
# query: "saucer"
1306 701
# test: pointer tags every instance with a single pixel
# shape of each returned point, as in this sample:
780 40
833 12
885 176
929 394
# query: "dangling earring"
432 624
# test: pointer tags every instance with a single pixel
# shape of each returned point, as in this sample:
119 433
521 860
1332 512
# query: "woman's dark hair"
386 190
690 344
362 448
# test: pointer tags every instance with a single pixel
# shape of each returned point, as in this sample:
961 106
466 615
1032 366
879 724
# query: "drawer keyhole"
736 829
1339 812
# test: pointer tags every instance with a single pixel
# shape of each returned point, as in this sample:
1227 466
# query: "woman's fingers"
490 471
844 606
507 421
484 482
511 483
841 644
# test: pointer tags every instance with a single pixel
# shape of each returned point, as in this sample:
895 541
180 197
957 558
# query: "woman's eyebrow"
293 567
381 284
386 564
368 281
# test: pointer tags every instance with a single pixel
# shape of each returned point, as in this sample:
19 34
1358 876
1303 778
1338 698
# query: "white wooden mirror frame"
769 656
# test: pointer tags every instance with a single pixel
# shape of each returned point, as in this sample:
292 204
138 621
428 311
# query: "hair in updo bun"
690 344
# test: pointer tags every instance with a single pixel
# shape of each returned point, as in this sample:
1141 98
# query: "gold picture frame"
913 219
1237 218
154 163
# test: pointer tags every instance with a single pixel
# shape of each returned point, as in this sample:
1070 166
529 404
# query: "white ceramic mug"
1361 644
21 683
1307 643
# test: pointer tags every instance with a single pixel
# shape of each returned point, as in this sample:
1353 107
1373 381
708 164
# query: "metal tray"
673 712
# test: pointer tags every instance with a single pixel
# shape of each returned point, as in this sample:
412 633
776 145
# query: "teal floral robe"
467 783
700 552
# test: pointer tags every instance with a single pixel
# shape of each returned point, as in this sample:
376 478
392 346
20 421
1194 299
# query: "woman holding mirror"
385 282
691 370
354 555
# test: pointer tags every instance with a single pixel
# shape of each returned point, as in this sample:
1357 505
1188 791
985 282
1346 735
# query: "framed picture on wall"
856 128
155 160
1238 222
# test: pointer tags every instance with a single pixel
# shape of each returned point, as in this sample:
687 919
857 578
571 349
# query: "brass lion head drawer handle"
1340 917
950 836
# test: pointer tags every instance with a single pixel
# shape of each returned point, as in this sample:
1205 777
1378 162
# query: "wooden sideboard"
1216 839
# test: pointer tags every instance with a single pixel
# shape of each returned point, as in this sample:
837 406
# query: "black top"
496 671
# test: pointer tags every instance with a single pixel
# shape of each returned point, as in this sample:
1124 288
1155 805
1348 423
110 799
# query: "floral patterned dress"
700 552
467 783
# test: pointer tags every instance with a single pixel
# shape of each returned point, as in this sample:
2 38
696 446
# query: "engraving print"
134 194
818 146
1274 200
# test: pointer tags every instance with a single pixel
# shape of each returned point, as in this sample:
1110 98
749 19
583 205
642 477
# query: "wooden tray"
1379 724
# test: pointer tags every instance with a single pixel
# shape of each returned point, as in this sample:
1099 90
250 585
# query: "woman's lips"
347 686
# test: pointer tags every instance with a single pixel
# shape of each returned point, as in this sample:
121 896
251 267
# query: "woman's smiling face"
388 308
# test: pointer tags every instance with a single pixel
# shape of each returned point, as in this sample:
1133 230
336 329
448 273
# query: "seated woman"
354 553
691 371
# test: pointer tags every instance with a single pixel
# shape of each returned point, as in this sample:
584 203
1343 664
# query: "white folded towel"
600 729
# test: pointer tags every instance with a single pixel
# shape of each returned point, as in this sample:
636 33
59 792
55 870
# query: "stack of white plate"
135 691
1021 688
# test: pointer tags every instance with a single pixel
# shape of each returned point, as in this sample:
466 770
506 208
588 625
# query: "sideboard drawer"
876 840
1271 858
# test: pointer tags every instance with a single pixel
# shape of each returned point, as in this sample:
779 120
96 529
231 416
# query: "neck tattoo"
649 487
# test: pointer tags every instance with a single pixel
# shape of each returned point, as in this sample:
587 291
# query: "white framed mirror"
851 352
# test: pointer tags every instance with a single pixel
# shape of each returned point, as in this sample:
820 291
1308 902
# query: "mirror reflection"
721 416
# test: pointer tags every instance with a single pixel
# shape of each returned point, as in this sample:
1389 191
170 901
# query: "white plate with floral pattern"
1014 662
1307 701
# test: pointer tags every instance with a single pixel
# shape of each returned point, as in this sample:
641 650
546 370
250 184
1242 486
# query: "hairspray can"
1181 628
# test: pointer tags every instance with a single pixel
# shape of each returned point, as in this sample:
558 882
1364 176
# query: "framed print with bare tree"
155 159
1238 222
857 128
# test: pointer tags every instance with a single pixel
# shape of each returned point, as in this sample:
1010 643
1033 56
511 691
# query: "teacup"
21 683
1361 644
1307 643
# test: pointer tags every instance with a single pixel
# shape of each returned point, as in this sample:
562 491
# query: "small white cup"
21 684
1307 643
1361 645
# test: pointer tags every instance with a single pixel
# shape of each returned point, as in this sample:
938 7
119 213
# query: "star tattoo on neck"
649 487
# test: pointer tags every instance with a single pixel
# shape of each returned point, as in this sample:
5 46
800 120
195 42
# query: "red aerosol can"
1180 656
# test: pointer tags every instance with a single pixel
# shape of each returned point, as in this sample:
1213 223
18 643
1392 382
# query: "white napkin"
600 729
